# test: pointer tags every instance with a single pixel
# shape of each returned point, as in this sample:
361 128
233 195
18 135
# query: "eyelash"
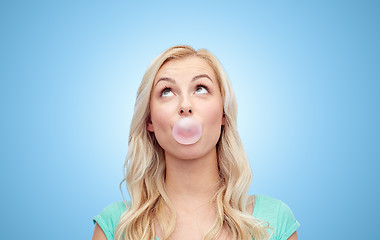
164 89
198 86
201 85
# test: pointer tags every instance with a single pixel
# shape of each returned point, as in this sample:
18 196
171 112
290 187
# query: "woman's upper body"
183 185
279 216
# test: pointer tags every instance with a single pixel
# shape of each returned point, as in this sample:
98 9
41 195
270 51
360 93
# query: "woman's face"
183 88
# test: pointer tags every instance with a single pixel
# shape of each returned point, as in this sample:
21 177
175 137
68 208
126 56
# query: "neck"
194 181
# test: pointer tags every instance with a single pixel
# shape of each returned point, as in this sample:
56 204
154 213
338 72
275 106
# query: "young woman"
186 170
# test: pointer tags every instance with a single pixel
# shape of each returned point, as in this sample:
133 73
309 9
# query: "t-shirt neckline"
254 212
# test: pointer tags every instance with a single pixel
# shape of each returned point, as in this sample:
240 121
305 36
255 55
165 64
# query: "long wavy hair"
144 168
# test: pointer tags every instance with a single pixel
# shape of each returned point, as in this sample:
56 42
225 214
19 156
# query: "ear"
149 126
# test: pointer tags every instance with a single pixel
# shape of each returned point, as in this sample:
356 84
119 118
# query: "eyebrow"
165 79
194 78
201 76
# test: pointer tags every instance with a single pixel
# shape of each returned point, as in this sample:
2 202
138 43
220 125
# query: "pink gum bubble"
187 131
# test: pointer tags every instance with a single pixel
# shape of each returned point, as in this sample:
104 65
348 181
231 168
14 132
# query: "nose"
184 111
185 108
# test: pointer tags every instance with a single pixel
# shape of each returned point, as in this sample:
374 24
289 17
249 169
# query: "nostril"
185 111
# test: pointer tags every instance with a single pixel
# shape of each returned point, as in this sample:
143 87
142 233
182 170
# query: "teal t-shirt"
269 209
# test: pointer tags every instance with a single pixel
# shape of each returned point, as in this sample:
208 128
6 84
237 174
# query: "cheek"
157 119
213 112
160 115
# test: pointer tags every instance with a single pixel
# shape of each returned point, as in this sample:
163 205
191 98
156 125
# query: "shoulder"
109 217
270 207
277 214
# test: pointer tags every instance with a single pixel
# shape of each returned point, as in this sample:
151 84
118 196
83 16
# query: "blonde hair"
144 167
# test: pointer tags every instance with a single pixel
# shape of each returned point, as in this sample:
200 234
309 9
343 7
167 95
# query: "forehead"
185 67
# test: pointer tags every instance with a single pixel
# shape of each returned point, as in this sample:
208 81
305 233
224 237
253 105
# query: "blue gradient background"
306 75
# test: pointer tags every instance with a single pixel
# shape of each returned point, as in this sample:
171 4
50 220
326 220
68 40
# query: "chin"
191 152
186 153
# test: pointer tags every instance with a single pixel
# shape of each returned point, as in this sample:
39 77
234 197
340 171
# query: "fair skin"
188 88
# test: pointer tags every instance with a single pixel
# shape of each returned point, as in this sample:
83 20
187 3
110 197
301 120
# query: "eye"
166 92
201 89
